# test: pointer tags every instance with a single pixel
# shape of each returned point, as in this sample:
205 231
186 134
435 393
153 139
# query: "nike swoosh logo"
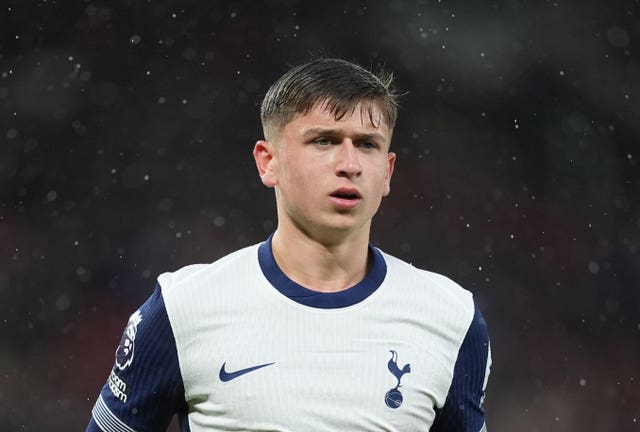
228 376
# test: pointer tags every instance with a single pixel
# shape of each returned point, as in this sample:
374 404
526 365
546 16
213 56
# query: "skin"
321 241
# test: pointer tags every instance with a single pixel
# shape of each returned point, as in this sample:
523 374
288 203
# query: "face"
329 175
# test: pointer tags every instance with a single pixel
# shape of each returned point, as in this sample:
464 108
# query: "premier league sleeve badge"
125 351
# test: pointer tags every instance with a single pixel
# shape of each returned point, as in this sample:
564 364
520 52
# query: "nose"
348 163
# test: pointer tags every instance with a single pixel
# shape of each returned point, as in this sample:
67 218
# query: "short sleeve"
144 389
463 410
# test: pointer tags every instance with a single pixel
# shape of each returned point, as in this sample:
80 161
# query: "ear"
391 160
263 153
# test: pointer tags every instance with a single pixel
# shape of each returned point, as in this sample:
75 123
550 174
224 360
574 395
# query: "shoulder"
431 286
202 290
427 276
193 275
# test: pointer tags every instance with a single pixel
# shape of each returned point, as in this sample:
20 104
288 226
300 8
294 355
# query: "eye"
323 141
368 145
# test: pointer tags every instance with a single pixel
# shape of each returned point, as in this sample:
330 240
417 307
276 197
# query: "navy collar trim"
307 297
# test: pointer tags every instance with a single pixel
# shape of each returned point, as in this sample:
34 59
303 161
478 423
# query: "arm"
463 411
144 389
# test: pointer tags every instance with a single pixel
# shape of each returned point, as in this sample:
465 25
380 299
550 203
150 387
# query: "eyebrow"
337 131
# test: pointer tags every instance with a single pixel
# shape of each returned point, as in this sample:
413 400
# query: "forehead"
365 115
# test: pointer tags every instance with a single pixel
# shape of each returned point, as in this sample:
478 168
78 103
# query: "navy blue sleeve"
144 389
463 411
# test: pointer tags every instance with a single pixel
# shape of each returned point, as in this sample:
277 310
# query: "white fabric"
330 365
108 421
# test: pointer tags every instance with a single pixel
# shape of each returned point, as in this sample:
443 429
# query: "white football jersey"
238 346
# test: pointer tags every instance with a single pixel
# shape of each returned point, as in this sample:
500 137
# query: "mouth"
346 198
346 194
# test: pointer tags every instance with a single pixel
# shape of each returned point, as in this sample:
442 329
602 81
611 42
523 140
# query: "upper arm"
144 389
463 410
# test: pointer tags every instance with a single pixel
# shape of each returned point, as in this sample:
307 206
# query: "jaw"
330 228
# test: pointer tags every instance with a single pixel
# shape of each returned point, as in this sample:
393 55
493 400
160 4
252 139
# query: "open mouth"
347 194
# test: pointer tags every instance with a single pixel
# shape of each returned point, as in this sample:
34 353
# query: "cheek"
291 176
305 169
297 179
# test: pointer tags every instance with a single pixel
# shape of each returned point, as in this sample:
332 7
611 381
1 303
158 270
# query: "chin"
345 225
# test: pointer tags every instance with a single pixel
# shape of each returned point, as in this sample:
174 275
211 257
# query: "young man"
314 329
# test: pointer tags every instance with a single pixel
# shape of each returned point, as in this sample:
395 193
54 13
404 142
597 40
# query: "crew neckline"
323 300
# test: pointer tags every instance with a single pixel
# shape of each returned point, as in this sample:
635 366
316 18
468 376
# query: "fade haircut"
337 84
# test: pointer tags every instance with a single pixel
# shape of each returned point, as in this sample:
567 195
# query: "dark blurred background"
126 129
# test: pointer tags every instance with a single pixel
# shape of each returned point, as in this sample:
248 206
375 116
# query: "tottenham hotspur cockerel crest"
393 398
124 353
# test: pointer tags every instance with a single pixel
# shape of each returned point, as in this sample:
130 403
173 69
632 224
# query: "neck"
324 266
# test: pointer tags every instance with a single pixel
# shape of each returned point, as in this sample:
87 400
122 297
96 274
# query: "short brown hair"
338 84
